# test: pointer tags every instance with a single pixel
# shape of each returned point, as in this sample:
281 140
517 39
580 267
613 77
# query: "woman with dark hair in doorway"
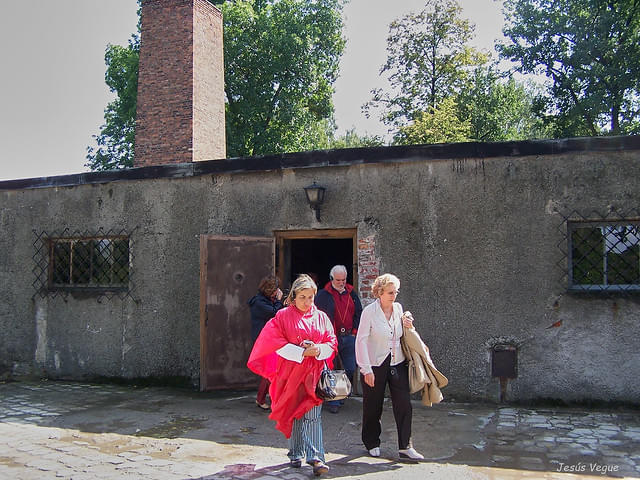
263 307
291 351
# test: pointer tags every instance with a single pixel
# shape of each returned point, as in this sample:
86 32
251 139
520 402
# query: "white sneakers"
411 454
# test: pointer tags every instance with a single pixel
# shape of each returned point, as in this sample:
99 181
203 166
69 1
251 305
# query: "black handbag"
333 384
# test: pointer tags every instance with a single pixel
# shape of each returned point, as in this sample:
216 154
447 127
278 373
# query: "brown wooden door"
230 270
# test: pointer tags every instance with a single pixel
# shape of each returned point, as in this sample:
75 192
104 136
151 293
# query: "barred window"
89 262
604 256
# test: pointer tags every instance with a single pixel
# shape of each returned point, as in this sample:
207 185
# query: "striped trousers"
306 437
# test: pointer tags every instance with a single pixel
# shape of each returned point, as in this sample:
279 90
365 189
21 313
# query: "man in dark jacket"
338 300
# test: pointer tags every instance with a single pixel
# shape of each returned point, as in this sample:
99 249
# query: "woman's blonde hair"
303 282
382 282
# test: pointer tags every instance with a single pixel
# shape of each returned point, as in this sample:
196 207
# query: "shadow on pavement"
167 425
338 468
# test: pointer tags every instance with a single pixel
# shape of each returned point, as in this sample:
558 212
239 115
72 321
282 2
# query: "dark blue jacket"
262 310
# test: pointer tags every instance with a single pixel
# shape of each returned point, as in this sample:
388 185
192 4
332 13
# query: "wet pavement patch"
175 428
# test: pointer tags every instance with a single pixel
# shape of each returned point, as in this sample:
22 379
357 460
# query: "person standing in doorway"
341 303
263 307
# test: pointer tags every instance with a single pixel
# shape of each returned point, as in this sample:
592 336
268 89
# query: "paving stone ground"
76 431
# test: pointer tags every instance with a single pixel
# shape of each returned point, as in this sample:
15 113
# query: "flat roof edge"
338 157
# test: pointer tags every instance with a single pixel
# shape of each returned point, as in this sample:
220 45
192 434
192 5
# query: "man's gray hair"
337 269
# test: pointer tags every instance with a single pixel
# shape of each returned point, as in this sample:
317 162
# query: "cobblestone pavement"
74 431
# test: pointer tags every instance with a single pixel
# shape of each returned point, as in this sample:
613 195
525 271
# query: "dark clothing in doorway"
262 309
344 309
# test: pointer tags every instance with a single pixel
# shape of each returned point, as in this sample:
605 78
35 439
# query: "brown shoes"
319 467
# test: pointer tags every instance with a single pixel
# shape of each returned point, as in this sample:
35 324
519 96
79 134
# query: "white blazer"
374 341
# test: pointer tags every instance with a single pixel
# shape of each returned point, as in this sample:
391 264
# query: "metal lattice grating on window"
96 262
601 253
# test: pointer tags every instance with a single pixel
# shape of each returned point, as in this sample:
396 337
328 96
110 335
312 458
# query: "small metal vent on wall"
504 361
94 264
504 365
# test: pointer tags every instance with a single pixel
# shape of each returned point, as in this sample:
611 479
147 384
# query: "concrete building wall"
82 336
476 241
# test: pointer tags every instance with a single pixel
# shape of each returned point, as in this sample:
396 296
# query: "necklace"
342 315
392 325
392 332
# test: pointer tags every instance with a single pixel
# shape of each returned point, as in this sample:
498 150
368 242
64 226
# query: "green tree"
281 60
116 139
351 139
441 125
590 50
429 60
117 136
500 109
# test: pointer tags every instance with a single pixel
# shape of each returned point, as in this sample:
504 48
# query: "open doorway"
315 252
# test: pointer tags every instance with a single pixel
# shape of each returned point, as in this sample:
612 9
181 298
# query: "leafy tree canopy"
440 125
429 60
281 60
590 50
116 138
500 108
351 139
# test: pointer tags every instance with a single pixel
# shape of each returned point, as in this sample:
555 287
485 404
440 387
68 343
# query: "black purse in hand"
333 384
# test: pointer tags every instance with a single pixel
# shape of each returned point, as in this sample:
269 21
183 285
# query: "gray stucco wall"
475 240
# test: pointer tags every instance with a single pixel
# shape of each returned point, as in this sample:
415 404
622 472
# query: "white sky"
52 90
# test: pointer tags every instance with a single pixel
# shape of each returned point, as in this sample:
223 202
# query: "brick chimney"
180 111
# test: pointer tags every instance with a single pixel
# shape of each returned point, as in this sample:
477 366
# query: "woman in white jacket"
381 360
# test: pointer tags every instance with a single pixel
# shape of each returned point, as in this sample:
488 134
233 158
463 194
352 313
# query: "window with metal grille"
604 255
90 262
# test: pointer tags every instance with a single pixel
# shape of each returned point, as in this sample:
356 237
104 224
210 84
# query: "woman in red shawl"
290 351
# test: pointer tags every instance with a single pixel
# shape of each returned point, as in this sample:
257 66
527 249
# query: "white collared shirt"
377 337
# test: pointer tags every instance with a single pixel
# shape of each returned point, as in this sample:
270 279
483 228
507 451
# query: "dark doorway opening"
316 257
314 252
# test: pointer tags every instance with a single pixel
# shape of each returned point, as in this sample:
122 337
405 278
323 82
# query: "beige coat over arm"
423 375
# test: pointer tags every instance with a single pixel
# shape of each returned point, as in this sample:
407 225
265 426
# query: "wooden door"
230 270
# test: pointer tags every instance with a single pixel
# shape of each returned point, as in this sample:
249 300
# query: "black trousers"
372 401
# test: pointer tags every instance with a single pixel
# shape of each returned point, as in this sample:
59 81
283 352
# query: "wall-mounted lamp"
315 197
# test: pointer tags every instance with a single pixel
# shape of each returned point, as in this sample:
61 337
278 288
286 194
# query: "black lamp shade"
315 194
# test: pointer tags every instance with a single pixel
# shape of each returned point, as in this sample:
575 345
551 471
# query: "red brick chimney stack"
180 112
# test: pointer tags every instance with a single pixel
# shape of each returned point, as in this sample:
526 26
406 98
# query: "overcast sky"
52 90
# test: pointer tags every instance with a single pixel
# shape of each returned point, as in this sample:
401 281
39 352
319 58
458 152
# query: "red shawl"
293 384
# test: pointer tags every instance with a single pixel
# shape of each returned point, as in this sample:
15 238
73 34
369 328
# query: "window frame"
605 286
90 286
